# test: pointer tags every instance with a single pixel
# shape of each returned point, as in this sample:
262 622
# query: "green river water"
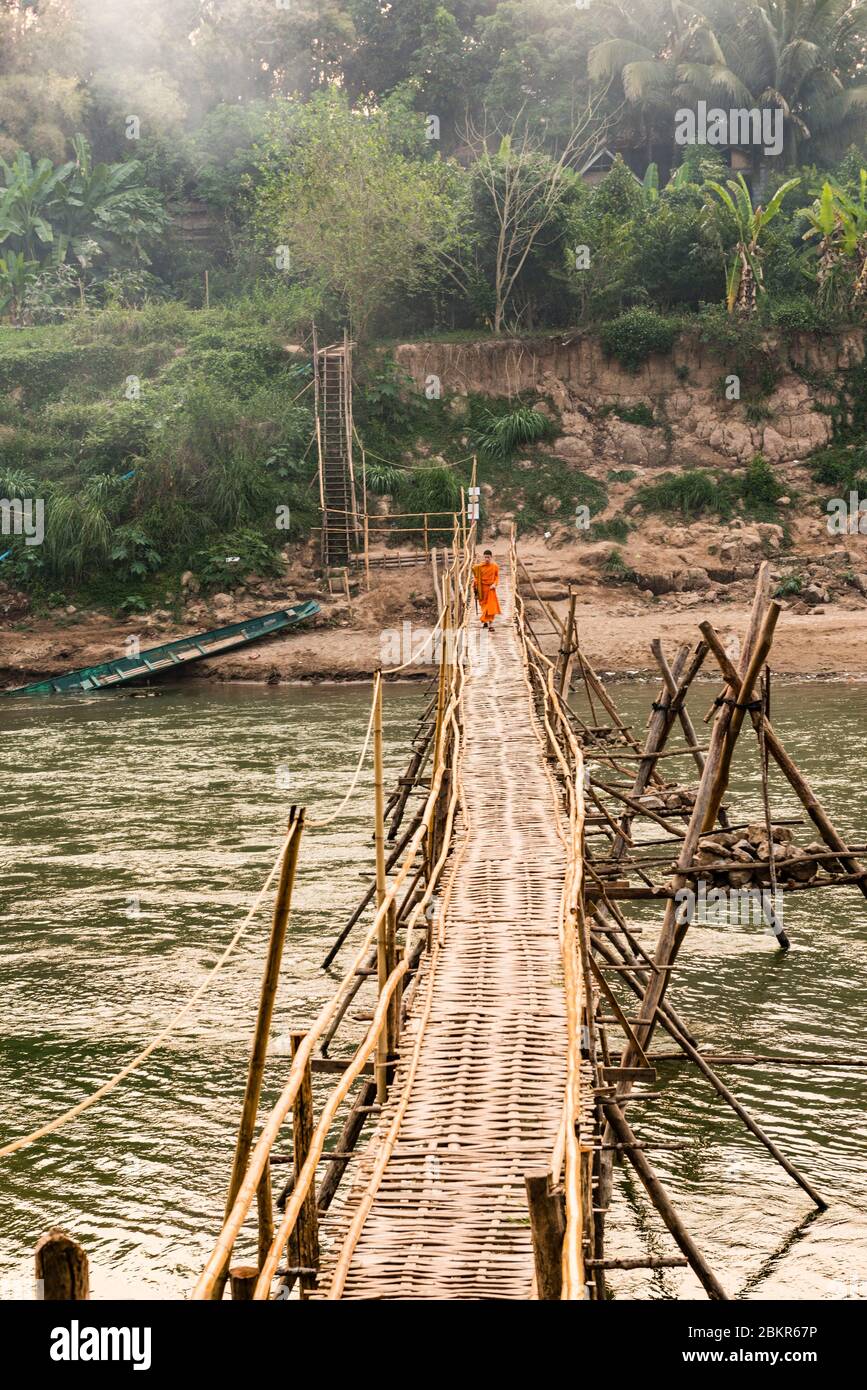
134 834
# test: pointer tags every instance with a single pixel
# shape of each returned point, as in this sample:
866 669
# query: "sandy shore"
616 625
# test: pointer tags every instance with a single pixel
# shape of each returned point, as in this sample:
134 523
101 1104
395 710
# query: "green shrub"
431 490
691 493
841 467
235 555
798 313
789 584
698 492
617 529
501 435
633 336
760 490
616 569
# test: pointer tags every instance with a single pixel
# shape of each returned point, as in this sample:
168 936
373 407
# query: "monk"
485 579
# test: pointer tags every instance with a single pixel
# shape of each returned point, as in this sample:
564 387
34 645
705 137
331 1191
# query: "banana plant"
744 273
838 226
28 198
17 273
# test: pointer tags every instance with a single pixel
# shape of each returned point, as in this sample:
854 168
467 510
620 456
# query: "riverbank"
348 640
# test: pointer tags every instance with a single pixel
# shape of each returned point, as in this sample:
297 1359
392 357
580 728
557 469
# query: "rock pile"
750 851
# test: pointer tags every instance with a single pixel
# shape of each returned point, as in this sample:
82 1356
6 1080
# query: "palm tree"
744 274
661 55
804 57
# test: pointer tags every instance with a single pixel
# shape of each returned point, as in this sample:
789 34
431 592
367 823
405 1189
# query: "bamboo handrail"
208 1281
568 1149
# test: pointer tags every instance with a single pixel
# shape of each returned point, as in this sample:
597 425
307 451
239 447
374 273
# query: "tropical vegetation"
185 185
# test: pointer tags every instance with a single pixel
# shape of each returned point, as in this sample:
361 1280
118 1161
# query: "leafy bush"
698 492
760 490
384 478
633 336
798 314
234 556
789 584
840 468
432 490
639 414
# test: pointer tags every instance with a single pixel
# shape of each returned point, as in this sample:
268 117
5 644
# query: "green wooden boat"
157 660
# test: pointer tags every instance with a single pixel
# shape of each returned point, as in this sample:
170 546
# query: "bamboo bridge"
452 1120
466 1147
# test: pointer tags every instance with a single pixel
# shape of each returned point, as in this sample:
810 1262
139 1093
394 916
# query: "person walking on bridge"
486 577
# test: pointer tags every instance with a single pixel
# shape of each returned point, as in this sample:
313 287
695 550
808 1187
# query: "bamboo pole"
658 1196
262 1030
382 970
61 1268
735 723
676 699
547 1227
799 784
566 646
307 1226
366 552
242 1279
265 1215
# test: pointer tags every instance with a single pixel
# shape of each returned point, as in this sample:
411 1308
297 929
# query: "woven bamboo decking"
450 1216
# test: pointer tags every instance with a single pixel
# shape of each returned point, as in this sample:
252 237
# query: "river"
134 833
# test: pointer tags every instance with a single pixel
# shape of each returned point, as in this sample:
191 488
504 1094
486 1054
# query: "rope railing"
447 755
74 1111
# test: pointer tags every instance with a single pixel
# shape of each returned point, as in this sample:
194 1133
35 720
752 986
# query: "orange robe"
486 578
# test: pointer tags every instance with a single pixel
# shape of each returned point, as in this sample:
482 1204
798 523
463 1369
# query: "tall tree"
346 205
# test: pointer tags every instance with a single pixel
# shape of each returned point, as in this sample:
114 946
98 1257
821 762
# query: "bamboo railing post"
242 1281
382 971
567 646
259 1050
425 534
307 1227
366 551
61 1267
547 1227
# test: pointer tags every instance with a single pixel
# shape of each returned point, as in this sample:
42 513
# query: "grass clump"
502 434
702 492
